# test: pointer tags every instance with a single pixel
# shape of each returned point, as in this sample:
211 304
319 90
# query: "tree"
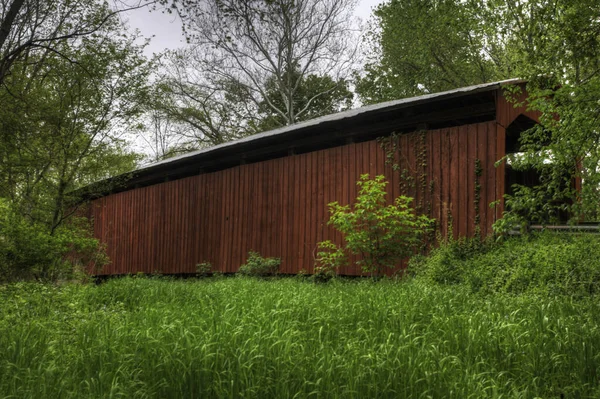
66 111
432 45
336 100
558 50
71 85
200 112
30 30
64 118
161 136
422 46
250 46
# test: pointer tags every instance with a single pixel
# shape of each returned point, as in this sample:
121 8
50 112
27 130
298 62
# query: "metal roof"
288 131
340 116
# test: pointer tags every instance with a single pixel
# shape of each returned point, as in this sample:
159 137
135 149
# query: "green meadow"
291 338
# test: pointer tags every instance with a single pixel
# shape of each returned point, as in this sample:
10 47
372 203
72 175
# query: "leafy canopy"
421 46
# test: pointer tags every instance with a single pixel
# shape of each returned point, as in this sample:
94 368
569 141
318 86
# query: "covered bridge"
269 192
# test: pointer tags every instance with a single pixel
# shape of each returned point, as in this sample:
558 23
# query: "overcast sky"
165 29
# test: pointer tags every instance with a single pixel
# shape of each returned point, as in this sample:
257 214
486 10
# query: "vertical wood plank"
186 265
229 222
266 219
279 198
246 229
443 179
481 155
141 223
322 211
471 177
295 236
285 187
193 227
436 201
233 218
307 239
455 155
462 181
314 218
270 186
302 258
255 225
211 222
338 196
243 192
413 151
201 222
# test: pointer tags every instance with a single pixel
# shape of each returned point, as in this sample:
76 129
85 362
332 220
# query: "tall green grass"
234 337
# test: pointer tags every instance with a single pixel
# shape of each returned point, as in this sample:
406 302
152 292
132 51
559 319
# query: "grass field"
235 337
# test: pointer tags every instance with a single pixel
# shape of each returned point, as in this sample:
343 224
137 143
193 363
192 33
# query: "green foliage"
546 264
203 269
251 338
71 90
424 46
256 265
329 259
314 96
444 264
382 234
562 150
28 250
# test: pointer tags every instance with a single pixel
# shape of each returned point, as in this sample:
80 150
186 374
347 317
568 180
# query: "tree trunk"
5 28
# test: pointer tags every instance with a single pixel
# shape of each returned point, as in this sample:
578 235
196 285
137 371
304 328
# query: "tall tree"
200 112
305 98
63 121
251 45
40 27
421 46
432 45
71 86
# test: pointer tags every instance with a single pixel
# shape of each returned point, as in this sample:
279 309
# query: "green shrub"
29 251
329 259
381 234
444 264
204 269
256 265
542 263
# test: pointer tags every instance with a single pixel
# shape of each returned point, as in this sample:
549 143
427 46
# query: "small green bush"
256 265
329 259
203 269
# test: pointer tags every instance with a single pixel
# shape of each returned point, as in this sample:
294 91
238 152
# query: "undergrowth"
543 263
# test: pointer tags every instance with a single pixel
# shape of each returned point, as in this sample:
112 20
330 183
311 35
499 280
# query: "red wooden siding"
279 208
